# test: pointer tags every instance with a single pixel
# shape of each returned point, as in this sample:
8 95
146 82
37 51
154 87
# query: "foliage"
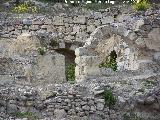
110 100
110 62
141 5
70 72
25 8
131 116
149 83
28 115
53 43
41 51
96 6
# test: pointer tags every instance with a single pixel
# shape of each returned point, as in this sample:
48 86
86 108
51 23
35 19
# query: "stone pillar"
86 66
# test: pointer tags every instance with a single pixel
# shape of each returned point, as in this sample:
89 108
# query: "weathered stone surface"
150 100
97 15
27 22
34 27
100 106
24 45
58 20
91 28
153 40
59 114
107 20
47 21
50 68
80 20
137 24
21 65
140 42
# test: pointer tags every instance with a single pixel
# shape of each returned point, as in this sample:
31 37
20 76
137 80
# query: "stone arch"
100 43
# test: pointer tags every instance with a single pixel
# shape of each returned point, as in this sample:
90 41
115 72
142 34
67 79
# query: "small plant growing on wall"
131 116
70 72
41 51
141 5
29 115
110 100
53 43
110 61
25 8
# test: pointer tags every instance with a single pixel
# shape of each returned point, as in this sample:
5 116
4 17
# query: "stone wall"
133 38
53 102
69 24
133 35
21 62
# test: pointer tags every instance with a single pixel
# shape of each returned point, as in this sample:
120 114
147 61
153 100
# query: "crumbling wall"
21 62
69 24
53 102
134 39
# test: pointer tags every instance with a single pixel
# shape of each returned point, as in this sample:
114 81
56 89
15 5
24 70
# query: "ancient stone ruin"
35 50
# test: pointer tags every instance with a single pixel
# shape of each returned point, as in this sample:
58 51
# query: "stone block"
97 15
76 29
137 24
37 22
90 28
81 36
106 20
153 40
47 21
34 27
80 51
58 20
80 20
27 22
97 23
60 114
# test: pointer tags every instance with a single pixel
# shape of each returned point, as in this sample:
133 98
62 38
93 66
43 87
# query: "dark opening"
69 63
110 61
113 55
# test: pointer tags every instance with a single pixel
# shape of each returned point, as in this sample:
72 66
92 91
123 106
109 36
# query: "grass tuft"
142 5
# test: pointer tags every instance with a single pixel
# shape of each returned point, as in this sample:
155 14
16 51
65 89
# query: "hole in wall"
110 61
113 55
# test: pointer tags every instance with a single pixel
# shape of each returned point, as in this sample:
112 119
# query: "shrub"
110 100
70 72
141 5
110 62
149 83
53 43
28 115
131 116
25 8
96 6
41 51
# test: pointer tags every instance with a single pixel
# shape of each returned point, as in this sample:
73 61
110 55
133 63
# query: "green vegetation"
41 51
149 83
96 6
131 116
29 115
110 100
110 62
141 5
141 90
53 43
25 8
70 72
